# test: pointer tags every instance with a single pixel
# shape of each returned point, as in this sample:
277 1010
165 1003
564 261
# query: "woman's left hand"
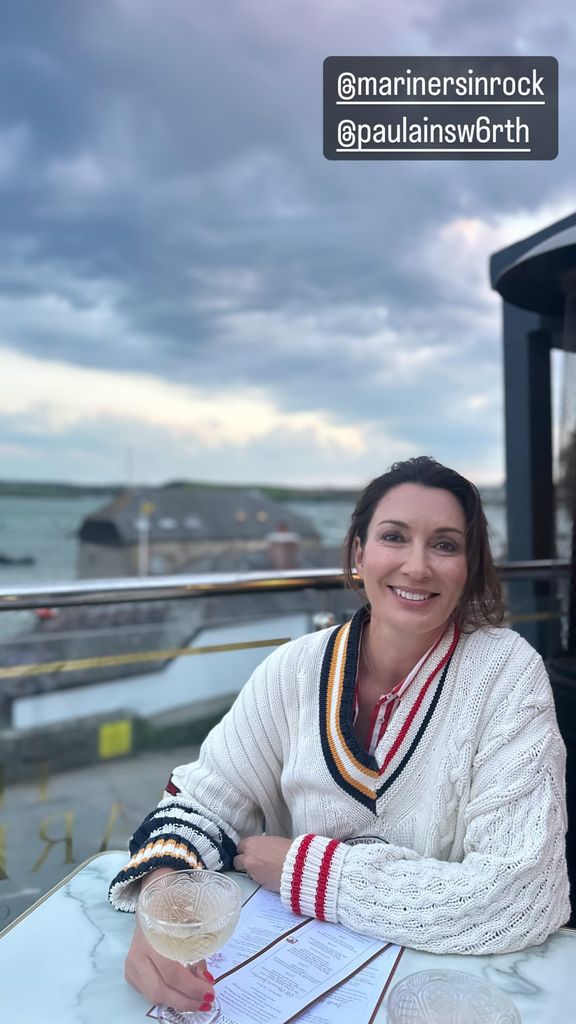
262 858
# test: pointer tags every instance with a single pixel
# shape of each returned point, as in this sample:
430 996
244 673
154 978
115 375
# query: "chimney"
283 548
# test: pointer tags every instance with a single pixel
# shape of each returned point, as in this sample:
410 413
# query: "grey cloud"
166 164
455 28
100 450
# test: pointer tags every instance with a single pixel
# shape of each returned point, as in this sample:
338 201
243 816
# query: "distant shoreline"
23 489
37 489
32 489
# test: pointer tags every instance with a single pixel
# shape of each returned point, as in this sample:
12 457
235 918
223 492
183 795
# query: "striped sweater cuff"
160 853
311 876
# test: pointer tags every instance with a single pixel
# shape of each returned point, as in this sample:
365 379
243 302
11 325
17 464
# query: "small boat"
16 560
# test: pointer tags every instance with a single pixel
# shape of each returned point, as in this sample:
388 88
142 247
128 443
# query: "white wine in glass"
186 916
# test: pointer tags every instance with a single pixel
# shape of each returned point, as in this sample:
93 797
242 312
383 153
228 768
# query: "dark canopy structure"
537 281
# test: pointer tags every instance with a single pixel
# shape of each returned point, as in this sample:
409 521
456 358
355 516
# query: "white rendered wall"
188 679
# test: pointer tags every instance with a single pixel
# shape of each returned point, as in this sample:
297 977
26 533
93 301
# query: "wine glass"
186 916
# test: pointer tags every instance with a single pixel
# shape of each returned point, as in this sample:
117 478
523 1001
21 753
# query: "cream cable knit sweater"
466 788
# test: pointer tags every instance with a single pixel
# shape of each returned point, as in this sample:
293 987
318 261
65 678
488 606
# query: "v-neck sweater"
465 790
384 707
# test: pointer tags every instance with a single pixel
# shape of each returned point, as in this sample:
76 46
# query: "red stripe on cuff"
323 875
299 872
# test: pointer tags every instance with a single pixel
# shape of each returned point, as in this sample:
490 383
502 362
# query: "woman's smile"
412 596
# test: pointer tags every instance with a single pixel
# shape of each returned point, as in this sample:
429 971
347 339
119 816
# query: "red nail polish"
205 1007
209 977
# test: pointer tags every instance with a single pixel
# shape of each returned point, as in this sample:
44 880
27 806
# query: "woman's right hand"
166 981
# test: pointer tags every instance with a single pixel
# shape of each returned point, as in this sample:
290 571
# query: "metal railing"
155 588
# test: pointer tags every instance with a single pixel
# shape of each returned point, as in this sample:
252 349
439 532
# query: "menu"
278 967
263 920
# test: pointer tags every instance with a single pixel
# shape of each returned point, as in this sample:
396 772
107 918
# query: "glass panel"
99 703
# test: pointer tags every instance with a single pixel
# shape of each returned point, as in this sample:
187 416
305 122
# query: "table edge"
62 882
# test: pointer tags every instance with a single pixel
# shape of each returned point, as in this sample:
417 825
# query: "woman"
419 723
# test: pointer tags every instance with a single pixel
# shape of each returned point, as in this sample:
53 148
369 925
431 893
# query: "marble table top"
62 961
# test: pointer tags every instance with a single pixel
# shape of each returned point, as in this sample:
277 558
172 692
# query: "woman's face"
413 561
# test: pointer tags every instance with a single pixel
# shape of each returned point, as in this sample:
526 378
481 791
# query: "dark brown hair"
481 601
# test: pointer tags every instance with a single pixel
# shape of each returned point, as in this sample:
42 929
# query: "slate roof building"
173 529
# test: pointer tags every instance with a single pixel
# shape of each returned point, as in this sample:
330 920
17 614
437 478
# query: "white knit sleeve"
228 793
509 891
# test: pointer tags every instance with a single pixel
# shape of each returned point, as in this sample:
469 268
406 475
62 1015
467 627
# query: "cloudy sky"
189 289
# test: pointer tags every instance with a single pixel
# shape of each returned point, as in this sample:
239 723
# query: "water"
45 529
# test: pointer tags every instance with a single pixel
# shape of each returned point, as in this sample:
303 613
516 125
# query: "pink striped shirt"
386 704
